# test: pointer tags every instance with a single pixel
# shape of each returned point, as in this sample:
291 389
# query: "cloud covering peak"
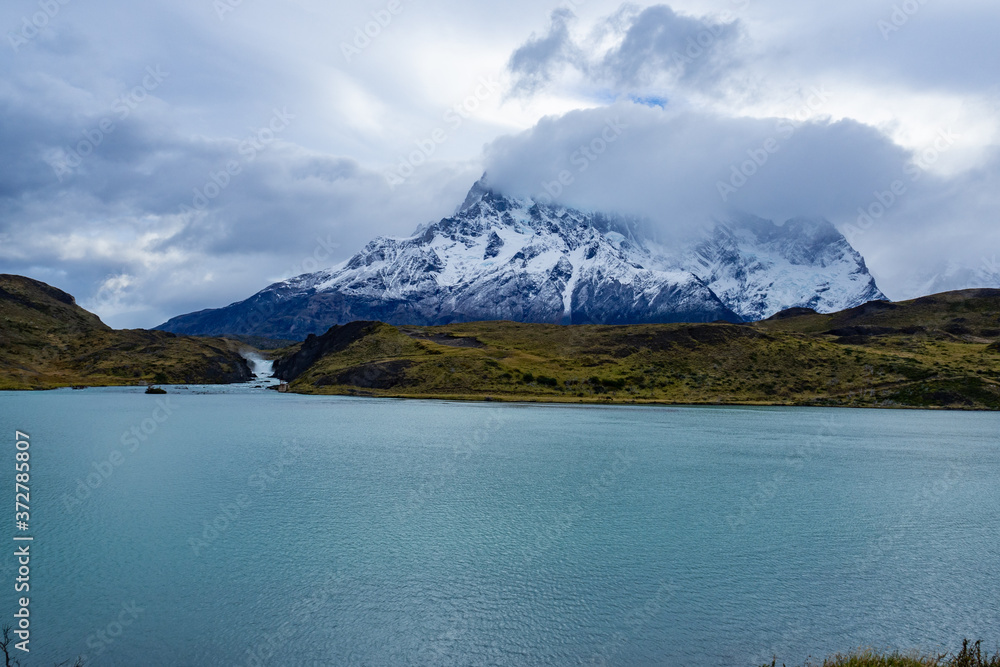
167 157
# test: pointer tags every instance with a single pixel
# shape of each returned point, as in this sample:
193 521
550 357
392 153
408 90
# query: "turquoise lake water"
246 527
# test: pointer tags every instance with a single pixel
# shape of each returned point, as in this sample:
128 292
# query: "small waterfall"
262 369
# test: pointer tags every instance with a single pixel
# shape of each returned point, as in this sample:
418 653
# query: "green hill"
48 341
937 351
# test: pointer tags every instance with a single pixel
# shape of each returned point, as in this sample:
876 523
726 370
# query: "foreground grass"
971 655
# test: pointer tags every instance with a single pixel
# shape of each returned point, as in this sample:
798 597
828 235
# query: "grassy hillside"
940 351
47 341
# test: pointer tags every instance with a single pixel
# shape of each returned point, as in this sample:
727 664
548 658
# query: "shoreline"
464 398
533 400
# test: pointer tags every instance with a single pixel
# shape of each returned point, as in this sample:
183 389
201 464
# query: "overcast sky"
163 157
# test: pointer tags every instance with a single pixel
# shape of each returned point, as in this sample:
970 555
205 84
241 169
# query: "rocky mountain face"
501 258
758 268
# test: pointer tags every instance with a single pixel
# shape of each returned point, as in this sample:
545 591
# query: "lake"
238 526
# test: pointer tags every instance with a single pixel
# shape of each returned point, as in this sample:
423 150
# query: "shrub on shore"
971 655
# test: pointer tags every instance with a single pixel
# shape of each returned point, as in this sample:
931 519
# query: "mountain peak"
476 193
499 257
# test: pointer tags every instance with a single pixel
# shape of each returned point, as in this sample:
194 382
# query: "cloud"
143 222
653 46
659 40
942 233
534 63
927 45
126 232
683 167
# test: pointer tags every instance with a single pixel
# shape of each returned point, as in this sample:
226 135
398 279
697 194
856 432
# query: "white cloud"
688 166
114 233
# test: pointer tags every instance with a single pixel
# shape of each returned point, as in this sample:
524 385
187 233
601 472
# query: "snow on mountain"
504 258
758 268
947 276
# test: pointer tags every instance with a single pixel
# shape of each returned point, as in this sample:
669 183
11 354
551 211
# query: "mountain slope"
758 268
939 351
47 341
500 258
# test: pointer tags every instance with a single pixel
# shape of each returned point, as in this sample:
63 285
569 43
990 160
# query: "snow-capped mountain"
504 258
758 268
